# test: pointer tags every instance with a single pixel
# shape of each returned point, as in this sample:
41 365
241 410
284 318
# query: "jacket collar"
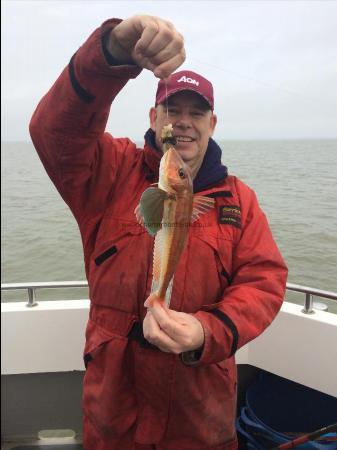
211 173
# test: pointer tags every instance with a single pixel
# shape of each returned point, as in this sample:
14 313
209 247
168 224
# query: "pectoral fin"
201 205
152 208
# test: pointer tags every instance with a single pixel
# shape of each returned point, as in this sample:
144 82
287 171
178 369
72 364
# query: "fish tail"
152 299
155 286
156 295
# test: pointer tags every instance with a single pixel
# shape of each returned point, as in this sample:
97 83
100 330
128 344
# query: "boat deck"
34 445
42 368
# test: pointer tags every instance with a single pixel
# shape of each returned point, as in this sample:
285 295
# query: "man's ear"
213 122
153 117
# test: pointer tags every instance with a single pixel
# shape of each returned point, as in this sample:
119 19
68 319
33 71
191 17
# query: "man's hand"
172 331
149 42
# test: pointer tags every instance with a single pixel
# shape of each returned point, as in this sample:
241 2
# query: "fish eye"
181 173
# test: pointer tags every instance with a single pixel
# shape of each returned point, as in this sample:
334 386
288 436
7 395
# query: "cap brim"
164 97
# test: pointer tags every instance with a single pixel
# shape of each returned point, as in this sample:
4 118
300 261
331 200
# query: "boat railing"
309 292
34 286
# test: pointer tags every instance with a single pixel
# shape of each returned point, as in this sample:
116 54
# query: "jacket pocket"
209 268
109 398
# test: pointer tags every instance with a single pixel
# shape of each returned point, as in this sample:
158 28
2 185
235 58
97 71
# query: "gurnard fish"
167 212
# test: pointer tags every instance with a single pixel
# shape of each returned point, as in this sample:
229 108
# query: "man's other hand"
172 331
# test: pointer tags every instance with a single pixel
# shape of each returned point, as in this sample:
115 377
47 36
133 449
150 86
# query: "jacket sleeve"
67 128
257 289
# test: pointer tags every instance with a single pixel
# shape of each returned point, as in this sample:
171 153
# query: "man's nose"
183 121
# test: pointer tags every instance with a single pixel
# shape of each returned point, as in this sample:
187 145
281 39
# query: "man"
161 378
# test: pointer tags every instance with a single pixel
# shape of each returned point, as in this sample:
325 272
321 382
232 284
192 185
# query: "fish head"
174 174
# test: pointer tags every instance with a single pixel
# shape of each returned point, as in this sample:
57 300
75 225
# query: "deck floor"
50 447
44 444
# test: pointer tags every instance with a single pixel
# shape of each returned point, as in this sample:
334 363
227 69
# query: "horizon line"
28 141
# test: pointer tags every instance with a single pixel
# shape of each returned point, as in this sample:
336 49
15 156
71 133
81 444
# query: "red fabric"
92 440
129 390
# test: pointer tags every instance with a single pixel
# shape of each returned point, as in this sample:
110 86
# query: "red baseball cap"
185 80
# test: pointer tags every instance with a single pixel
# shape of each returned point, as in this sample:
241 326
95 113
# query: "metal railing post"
32 287
308 305
31 298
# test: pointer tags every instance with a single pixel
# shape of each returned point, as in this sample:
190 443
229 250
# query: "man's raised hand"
150 42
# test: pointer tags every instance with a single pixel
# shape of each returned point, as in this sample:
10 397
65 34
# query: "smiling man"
186 100
157 378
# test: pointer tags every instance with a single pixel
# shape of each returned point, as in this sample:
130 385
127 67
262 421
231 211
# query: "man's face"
193 124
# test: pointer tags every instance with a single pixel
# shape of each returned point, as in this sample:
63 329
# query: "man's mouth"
184 139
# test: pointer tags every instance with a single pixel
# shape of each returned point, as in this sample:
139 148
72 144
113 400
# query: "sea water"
295 182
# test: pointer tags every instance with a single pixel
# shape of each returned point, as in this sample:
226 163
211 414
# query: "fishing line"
166 101
264 83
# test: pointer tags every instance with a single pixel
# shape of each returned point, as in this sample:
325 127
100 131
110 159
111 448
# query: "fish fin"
152 208
169 293
201 205
157 258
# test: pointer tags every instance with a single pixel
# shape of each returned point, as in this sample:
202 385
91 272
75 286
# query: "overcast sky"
273 64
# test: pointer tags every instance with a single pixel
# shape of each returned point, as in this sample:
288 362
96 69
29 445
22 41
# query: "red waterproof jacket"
231 274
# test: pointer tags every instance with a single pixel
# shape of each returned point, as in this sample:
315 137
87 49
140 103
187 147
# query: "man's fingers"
167 52
176 316
157 337
171 330
183 328
152 333
165 69
159 44
152 42
149 33
170 326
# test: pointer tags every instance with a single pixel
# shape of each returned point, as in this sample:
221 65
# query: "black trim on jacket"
231 325
82 93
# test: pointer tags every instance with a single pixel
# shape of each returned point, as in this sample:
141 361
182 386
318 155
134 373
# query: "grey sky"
273 64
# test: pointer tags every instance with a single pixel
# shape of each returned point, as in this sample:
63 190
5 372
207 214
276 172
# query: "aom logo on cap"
188 80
